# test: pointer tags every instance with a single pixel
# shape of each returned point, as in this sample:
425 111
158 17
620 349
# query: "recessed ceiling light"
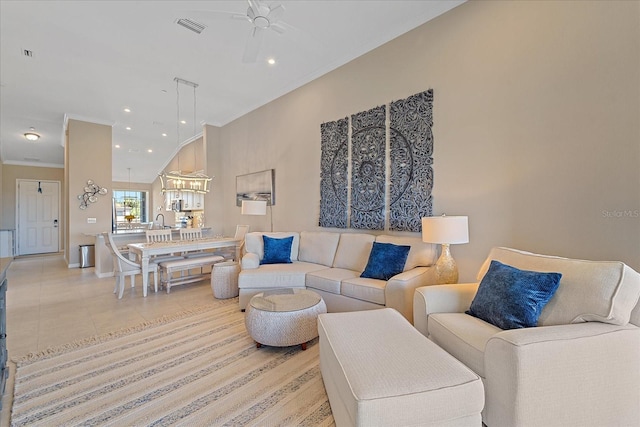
117 145
271 61
184 122
128 128
150 150
127 109
164 134
32 136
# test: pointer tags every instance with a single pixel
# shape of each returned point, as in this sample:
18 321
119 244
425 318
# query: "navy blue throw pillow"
276 251
385 261
510 298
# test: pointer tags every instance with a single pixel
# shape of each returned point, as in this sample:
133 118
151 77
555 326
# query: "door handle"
55 223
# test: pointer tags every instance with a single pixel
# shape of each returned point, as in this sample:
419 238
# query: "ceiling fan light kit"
32 136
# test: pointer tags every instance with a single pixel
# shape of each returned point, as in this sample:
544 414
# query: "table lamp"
445 230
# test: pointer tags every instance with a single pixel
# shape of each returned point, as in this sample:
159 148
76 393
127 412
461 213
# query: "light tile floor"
49 305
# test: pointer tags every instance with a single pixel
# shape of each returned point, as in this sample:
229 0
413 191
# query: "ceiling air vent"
194 26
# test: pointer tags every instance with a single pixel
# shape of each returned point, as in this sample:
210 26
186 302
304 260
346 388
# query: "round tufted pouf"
224 279
284 317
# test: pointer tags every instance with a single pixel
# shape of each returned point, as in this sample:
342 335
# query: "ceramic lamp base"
446 268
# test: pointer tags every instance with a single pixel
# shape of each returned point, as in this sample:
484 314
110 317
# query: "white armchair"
580 366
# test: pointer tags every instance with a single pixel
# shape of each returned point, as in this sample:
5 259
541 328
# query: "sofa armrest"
455 298
250 261
580 374
398 293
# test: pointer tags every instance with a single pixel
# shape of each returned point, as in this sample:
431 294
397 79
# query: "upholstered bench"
378 370
167 268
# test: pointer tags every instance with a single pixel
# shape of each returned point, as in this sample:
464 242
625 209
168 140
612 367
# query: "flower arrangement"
129 217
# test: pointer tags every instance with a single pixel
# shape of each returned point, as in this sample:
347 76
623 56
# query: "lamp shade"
254 207
445 229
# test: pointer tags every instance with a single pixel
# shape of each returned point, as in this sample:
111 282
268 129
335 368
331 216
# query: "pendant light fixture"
196 181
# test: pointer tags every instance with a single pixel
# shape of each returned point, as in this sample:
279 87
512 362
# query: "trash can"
87 256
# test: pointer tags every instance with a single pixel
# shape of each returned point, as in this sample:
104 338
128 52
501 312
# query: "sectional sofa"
330 263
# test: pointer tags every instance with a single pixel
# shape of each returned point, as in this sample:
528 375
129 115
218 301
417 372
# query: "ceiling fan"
263 18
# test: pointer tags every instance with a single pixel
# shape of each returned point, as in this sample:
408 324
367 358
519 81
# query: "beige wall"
9 175
214 201
536 108
87 156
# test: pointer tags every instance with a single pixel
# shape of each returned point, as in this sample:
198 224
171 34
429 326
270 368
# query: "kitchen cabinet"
190 201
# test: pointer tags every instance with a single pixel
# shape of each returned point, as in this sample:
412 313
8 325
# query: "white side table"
284 317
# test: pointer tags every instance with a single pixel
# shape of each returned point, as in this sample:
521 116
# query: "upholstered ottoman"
284 317
378 370
224 279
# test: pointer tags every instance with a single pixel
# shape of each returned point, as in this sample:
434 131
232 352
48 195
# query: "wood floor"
49 305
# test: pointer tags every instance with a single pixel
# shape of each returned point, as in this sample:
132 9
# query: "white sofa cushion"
318 247
329 279
371 290
589 291
276 275
464 337
254 243
421 254
353 251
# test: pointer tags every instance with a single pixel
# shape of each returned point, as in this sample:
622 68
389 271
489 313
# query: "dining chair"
123 267
160 236
190 233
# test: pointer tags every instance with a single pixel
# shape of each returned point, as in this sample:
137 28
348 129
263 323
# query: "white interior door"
38 214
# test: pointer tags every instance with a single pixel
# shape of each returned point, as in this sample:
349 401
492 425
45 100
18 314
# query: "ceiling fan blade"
240 17
254 9
278 28
275 13
253 45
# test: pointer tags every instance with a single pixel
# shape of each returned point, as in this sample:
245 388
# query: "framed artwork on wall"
256 186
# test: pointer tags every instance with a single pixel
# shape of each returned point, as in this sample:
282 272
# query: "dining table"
143 252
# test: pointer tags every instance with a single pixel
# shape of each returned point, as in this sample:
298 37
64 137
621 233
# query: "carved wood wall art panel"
334 173
368 169
380 176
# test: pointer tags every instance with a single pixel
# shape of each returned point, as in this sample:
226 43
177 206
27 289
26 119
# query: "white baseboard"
103 275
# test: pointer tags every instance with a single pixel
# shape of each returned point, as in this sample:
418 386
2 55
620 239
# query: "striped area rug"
194 369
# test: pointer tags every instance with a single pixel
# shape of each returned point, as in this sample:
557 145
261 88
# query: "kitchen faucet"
162 215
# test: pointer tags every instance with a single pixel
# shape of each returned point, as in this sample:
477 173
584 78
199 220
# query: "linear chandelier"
197 181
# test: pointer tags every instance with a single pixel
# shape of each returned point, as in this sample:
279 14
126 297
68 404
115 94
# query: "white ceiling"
91 59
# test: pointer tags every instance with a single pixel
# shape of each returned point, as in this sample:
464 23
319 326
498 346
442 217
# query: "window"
130 206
